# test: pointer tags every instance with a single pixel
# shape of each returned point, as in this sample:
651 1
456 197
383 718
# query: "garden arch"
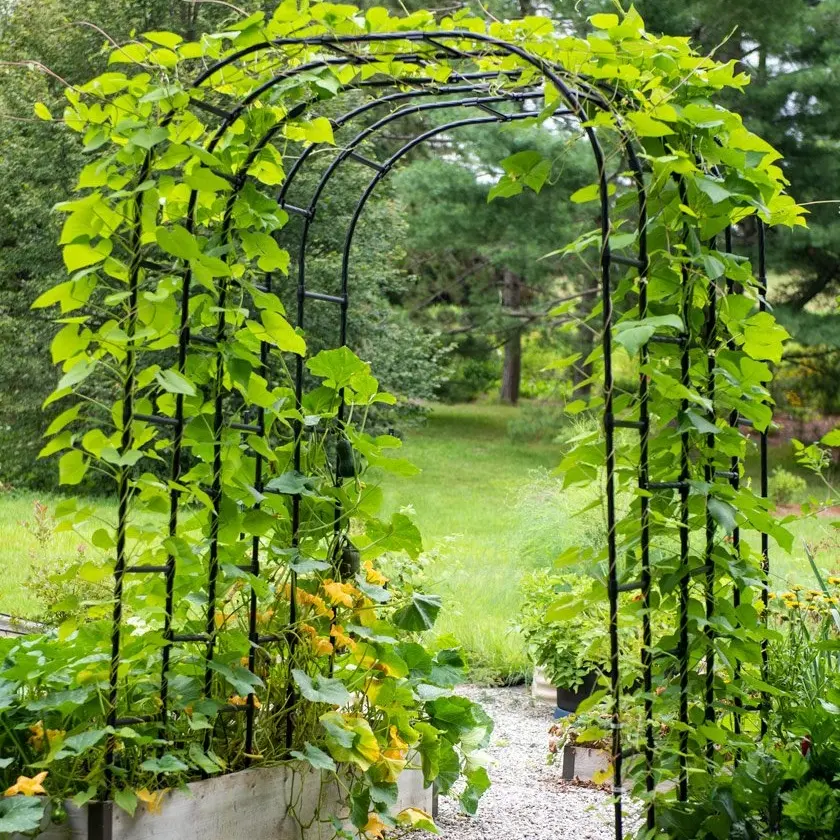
221 137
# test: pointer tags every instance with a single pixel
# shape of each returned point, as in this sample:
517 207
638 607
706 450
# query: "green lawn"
489 511
24 558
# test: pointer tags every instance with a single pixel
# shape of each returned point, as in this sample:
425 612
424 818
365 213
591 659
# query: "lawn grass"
27 551
488 512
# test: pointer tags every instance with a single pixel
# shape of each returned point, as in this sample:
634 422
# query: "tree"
47 44
478 249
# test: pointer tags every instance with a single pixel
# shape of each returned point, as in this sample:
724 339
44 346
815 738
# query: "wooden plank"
292 802
11 626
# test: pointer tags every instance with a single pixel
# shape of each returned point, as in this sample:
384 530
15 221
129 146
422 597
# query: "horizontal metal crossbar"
246 427
727 474
668 339
632 586
146 570
298 211
157 419
633 262
190 637
134 720
624 424
366 161
665 485
342 299
212 109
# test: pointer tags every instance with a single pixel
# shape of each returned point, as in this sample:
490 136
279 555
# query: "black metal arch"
482 94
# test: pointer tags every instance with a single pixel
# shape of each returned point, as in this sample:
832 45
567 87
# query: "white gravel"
528 799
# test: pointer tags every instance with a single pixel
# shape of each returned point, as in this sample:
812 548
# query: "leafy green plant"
568 650
786 487
787 790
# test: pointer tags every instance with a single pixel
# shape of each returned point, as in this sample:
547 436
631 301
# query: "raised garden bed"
290 802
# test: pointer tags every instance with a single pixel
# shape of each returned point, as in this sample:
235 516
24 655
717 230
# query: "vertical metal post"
100 820
612 558
644 500
682 788
709 475
735 482
253 629
175 476
124 480
765 540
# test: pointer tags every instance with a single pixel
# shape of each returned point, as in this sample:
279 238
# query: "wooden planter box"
583 762
276 803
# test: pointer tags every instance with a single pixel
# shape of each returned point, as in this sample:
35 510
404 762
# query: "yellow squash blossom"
322 646
153 801
236 700
340 594
373 575
374 828
341 638
40 736
28 787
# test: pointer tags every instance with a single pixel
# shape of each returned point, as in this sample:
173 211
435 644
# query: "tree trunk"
512 368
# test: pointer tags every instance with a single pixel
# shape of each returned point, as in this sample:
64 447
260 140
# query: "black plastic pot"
568 700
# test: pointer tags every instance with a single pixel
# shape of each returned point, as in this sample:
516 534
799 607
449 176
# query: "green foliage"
786 487
568 648
785 790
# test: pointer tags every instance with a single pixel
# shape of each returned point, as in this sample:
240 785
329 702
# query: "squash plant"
240 462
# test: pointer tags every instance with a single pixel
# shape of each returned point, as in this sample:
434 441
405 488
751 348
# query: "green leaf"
320 689
633 334
178 241
647 126
316 757
164 39
420 614
21 813
240 678
81 742
319 130
832 438
203 761
723 513
282 334
764 338
72 467
42 112
478 782
712 188
291 483
590 193
337 366
264 248
175 383
604 21
127 800
148 138
529 168
81 255
702 424
350 739
202 178
167 763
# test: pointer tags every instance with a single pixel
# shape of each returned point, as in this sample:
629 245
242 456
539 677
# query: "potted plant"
571 651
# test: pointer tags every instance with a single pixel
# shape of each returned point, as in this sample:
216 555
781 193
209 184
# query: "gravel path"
527 800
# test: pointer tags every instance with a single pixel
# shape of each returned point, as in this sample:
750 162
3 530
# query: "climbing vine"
252 622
